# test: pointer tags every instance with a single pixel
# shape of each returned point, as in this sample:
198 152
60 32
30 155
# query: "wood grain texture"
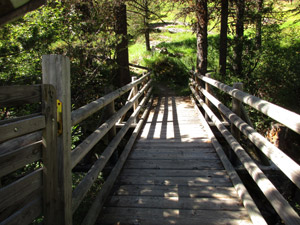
20 95
173 175
22 127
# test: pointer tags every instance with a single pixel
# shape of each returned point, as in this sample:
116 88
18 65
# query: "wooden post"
50 170
135 91
237 109
109 111
56 71
208 89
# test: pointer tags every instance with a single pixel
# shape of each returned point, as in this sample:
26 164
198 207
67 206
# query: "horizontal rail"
279 203
241 190
97 205
18 128
21 157
284 116
83 187
19 142
290 168
85 111
18 190
20 95
27 214
83 148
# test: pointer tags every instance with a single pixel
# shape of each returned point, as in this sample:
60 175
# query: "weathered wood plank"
20 189
15 129
84 186
171 181
113 215
19 95
97 205
174 173
173 164
241 190
180 154
19 142
173 150
25 215
174 203
14 160
175 191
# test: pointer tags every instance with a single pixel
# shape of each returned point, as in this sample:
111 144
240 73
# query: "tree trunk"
202 20
258 23
238 49
223 38
147 28
122 48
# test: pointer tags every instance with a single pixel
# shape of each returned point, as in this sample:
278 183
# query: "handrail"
284 116
281 160
83 187
82 149
285 163
84 112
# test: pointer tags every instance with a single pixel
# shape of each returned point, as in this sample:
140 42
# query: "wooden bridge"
172 170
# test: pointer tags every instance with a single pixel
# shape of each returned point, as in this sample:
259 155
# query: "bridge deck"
173 175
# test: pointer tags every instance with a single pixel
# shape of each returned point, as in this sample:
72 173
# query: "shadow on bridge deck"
173 175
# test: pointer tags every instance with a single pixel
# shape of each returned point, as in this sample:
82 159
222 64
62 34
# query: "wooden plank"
12 120
84 186
241 190
51 197
56 71
174 173
16 129
280 204
171 181
25 215
20 189
174 203
284 116
175 191
173 164
14 160
19 95
113 215
19 142
97 205
85 111
173 150
163 144
181 154
83 148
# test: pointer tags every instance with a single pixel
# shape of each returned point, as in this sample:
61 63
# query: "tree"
142 13
122 47
202 21
239 38
223 37
258 23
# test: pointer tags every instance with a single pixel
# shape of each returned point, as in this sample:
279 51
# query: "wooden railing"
46 137
199 87
27 140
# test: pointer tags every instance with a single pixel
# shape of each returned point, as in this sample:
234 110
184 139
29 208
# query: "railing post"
56 71
109 111
50 175
208 89
135 91
237 109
